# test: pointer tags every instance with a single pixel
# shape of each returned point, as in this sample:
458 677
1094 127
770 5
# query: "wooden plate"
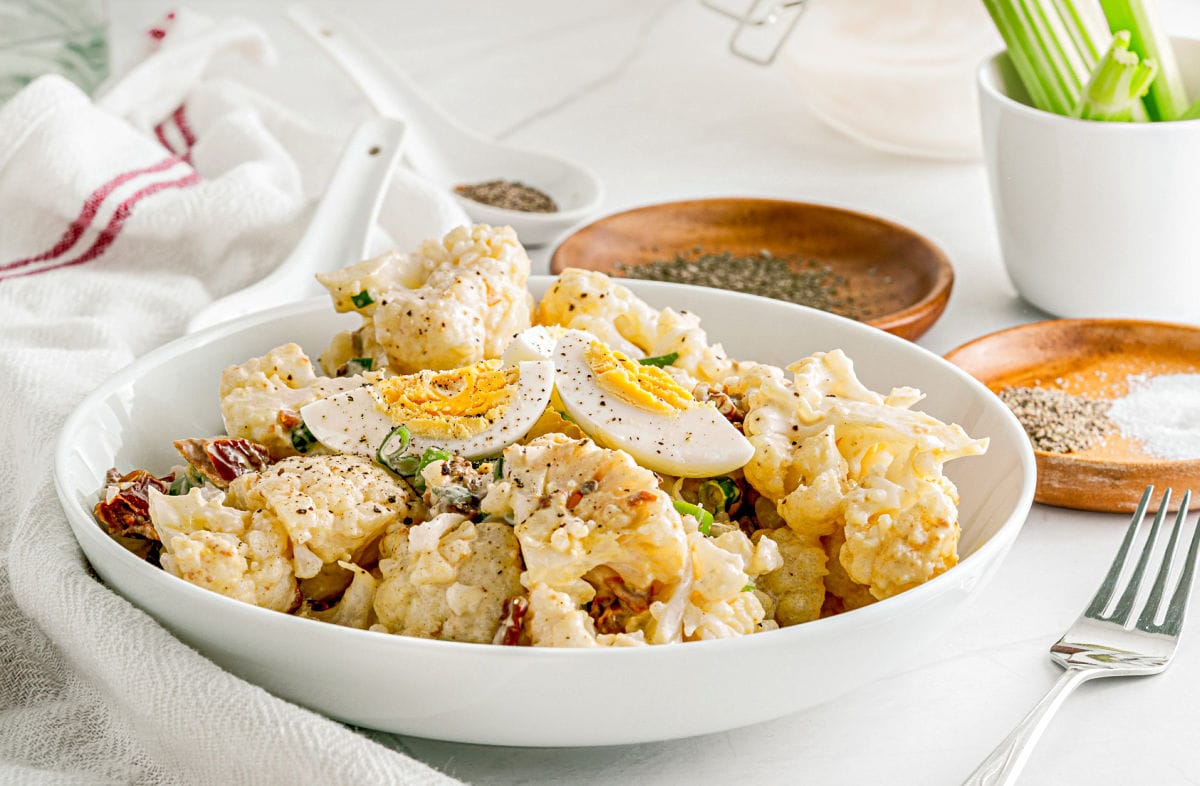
899 280
1094 358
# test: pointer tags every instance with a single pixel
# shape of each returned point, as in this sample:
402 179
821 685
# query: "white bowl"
1095 219
533 696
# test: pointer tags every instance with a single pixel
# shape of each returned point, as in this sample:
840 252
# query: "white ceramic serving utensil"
445 151
337 234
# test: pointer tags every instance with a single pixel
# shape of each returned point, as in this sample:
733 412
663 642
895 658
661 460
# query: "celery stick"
1118 82
1167 99
1086 24
1192 113
1042 51
1023 53
1067 66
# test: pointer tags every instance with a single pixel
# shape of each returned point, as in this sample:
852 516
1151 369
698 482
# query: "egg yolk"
454 404
646 387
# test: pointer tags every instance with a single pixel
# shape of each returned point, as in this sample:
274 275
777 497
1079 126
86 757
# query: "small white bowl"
1095 219
537 696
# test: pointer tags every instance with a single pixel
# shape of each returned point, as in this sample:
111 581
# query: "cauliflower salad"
469 465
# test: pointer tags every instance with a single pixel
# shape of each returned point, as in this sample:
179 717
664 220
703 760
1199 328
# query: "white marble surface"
645 92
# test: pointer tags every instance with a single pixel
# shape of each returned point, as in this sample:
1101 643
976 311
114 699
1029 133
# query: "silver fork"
1113 644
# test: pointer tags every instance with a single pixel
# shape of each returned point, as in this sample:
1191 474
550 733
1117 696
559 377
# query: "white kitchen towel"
119 219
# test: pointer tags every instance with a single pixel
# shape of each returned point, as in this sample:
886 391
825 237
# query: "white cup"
1095 219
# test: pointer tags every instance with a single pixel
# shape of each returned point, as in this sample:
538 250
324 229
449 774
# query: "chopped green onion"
406 466
454 494
302 438
428 457
498 468
1120 80
748 588
431 455
719 494
356 366
660 360
703 516
189 479
362 299
391 451
1167 99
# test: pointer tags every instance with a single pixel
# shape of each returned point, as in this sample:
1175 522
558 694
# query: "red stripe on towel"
161 135
185 128
109 234
91 206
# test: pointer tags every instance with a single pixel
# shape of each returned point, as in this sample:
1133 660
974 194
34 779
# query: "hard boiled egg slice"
536 343
474 411
642 410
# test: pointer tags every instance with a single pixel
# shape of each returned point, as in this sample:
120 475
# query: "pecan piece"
124 506
221 459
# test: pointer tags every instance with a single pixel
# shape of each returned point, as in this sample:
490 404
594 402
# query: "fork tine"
1100 601
1179 601
1124 607
1150 611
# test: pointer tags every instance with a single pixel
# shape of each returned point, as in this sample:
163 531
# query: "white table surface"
645 92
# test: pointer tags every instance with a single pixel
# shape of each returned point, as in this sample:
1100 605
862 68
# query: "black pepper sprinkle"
813 284
509 195
1056 421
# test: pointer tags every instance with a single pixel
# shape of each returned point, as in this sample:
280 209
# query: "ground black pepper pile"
510 195
814 285
1058 422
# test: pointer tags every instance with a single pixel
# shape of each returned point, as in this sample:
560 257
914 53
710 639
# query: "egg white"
693 443
351 422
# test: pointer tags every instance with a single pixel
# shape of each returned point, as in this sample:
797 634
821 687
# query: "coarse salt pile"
1163 414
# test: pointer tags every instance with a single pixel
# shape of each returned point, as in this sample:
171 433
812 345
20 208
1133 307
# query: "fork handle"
1005 763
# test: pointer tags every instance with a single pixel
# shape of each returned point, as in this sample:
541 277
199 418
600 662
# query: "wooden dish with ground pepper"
1047 370
849 263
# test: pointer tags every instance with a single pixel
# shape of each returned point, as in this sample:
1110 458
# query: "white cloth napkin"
118 221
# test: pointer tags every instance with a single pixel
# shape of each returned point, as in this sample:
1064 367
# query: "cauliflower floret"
797 586
556 621
591 301
722 602
841 592
224 549
835 456
354 609
447 578
577 508
331 507
576 505
451 303
261 398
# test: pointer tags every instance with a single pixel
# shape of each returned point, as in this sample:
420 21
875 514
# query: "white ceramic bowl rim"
999 541
987 77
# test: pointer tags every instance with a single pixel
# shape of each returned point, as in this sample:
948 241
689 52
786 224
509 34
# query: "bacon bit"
615 602
221 459
640 497
124 506
722 401
633 600
288 419
512 622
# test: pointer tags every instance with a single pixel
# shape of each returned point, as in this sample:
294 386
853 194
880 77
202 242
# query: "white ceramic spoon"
337 234
446 152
